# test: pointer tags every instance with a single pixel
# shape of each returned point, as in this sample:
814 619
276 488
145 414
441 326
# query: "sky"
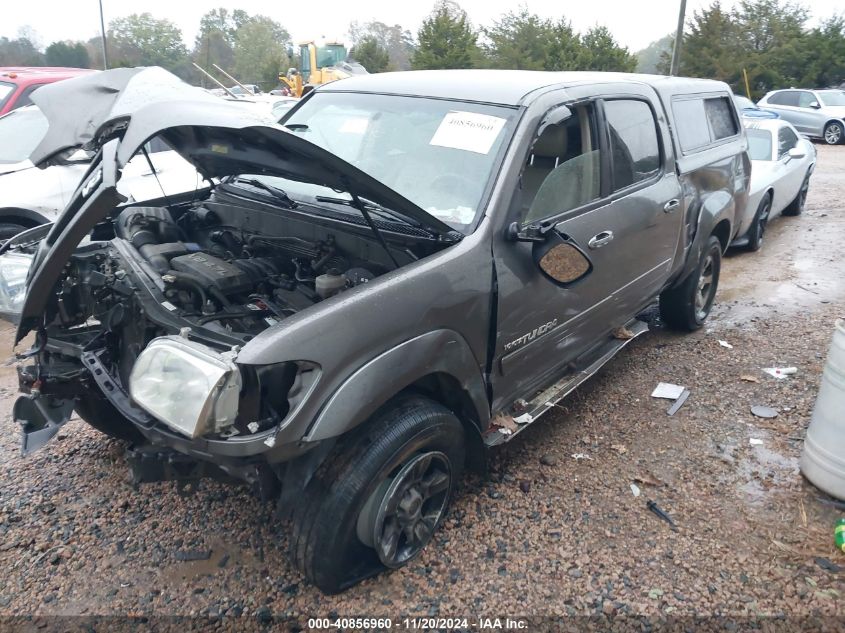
635 24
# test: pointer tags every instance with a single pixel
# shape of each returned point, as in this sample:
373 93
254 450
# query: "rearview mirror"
796 152
560 259
815 105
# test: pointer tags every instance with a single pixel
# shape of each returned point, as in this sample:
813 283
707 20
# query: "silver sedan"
782 162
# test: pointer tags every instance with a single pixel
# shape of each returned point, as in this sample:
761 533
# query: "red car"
17 83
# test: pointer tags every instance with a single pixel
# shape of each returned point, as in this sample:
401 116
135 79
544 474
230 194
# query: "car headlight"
14 268
188 386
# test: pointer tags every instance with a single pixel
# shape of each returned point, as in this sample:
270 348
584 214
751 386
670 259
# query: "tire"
8 230
796 207
758 226
686 306
100 414
347 503
833 133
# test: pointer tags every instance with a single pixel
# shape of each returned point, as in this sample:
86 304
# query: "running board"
547 399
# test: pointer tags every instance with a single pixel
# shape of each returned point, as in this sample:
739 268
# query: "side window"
720 115
563 170
691 123
25 97
790 98
634 146
805 99
787 139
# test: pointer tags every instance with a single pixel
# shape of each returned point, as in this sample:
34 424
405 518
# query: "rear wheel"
377 501
833 133
758 226
796 207
685 307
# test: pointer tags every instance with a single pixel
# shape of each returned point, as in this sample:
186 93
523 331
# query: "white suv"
818 114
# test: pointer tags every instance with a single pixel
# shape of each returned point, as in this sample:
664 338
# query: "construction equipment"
319 64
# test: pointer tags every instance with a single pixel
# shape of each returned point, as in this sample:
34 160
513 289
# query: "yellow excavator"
319 64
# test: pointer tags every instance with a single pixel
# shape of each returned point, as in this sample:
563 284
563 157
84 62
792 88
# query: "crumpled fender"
440 351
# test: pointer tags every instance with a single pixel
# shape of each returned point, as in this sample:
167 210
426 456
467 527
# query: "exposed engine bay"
224 269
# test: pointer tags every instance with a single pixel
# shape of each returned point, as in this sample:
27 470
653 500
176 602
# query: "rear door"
603 178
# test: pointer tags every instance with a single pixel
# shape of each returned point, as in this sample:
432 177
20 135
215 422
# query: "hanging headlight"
187 385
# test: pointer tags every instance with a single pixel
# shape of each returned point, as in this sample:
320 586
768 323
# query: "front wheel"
833 133
377 501
796 207
686 306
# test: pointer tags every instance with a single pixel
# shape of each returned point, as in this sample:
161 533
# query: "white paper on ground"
755 442
635 489
780 372
468 131
667 390
725 344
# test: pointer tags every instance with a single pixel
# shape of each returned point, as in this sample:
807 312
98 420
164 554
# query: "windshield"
20 131
439 154
759 144
744 102
832 97
6 89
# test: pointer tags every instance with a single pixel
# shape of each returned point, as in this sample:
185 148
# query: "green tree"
260 51
519 40
825 54
648 59
600 51
564 49
398 42
446 39
215 40
371 55
71 54
19 52
142 40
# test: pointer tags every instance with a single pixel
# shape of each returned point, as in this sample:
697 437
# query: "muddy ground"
546 533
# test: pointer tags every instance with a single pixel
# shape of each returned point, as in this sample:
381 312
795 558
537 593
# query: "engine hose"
181 279
230 315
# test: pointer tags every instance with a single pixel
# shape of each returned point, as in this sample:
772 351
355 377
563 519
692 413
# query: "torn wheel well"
723 232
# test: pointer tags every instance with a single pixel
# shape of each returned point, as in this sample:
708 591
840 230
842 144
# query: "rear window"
703 121
759 144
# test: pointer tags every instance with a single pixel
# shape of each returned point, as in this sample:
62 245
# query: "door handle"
670 206
601 239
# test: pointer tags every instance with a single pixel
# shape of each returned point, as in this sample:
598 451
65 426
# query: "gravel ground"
546 533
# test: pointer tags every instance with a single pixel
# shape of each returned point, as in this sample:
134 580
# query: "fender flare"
373 384
717 207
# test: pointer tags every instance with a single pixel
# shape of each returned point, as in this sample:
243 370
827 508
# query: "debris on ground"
547 459
764 412
780 372
725 344
192 554
651 505
619 448
839 535
667 390
755 442
648 480
578 456
678 403
635 489
749 378
828 565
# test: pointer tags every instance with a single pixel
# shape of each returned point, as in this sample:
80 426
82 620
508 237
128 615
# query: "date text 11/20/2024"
418 624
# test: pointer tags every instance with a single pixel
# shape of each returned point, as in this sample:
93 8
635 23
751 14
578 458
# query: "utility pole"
679 36
103 35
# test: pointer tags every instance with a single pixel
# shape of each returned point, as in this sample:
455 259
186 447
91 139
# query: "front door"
603 179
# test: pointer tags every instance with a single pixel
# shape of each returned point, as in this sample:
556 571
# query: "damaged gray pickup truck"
413 269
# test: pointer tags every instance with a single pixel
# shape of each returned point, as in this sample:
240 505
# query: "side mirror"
796 152
815 105
560 259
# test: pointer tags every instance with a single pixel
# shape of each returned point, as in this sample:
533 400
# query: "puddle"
763 470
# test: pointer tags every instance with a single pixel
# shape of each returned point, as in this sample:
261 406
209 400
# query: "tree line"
768 39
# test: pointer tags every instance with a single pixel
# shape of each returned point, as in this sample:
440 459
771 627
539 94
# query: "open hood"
115 112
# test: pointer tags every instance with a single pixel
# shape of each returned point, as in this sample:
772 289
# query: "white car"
782 162
31 196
